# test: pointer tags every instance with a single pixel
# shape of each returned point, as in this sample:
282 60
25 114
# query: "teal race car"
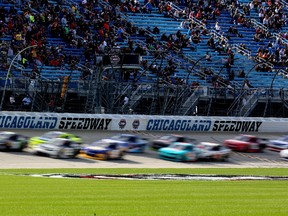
180 152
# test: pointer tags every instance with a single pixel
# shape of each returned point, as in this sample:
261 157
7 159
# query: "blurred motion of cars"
33 141
166 140
180 151
246 143
12 141
58 148
135 143
278 144
284 154
214 151
105 149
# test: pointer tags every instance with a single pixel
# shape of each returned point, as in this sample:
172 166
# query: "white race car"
284 154
58 148
214 151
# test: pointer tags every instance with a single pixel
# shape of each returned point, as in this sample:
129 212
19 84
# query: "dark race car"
167 140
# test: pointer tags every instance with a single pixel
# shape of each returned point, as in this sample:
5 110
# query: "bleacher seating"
185 58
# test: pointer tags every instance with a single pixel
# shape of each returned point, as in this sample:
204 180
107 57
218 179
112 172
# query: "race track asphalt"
149 159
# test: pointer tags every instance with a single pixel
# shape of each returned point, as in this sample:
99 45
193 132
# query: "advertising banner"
68 121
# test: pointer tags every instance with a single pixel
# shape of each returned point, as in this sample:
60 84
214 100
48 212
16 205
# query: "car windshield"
124 137
284 138
167 137
179 146
212 147
100 144
56 142
51 135
4 135
241 138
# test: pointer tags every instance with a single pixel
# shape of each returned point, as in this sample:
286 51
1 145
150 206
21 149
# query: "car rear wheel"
180 158
37 153
244 148
75 154
195 158
7 146
262 147
225 158
121 155
142 149
22 146
61 154
3 147
105 157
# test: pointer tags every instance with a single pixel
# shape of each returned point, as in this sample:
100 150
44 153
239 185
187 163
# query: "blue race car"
278 144
135 143
105 149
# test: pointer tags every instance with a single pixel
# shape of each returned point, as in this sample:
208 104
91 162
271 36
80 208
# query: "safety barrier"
68 121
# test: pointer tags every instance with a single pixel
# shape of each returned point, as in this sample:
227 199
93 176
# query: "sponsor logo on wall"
136 124
122 123
202 125
85 123
237 126
28 122
178 125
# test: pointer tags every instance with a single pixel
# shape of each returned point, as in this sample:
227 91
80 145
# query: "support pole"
8 72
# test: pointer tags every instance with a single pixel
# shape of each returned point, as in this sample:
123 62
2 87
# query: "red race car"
246 143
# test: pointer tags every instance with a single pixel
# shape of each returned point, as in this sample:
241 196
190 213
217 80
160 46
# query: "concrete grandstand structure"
206 57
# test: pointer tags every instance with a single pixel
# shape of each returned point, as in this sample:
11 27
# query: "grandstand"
211 57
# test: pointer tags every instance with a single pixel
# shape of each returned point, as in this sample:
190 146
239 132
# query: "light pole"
273 79
260 63
8 72
193 68
270 95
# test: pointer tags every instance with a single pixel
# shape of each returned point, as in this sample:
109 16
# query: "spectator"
156 30
125 101
26 102
12 100
241 74
51 104
208 57
217 27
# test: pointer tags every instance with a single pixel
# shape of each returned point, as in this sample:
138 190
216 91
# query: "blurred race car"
58 148
52 135
214 151
135 143
246 143
180 151
105 149
278 144
12 141
284 154
167 140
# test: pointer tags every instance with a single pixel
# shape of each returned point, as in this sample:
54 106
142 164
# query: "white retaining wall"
59 121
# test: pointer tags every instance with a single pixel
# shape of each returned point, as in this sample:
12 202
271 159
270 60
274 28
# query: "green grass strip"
30 196
220 171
